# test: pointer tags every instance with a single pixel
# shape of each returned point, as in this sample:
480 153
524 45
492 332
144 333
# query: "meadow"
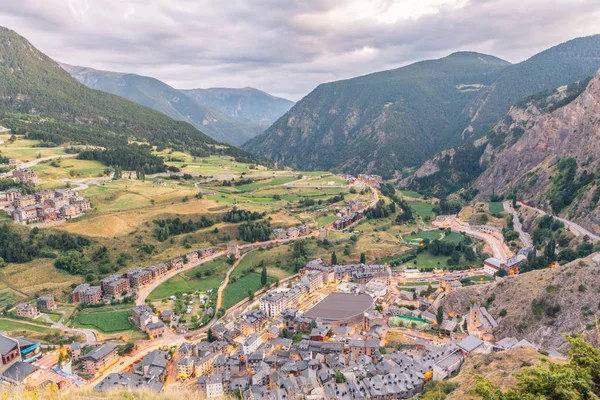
239 290
496 207
108 319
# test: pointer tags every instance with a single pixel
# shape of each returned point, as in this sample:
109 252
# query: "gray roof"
121 380
7 344
100 352
19 371
469 343
340 306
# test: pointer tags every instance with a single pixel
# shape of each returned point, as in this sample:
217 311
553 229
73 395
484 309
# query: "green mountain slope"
381 122
247 105
159 96
387 121
40 99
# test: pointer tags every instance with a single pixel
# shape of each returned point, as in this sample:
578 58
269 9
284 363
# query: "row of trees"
170 227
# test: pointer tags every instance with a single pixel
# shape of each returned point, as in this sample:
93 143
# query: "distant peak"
473 55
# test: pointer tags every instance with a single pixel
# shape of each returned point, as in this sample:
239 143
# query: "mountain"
246 105
546 150
393 120
381 122
161 97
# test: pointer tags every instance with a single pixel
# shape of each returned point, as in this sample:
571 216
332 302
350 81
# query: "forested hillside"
381 122
38 98
161 97
387 121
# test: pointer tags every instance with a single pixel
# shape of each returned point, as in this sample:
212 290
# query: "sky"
288 47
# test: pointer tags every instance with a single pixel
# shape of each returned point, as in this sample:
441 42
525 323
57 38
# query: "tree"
263 277
339 377
439 317
250 295
209 335
333 258
363 258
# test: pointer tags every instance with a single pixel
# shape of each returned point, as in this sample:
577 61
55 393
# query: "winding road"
575 228
518 227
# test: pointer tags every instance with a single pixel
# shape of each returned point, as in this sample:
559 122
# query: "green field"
454 237
188 282
105 321
411 193
431 235
496 207
14 325
423 210
267 182
54 316
238 291
322 221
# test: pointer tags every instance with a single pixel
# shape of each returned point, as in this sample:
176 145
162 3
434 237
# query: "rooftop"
340 306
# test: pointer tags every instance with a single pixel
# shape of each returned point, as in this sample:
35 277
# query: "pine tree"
333 258
263 277
363 258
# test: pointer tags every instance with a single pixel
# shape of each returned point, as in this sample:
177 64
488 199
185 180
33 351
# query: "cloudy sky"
287 47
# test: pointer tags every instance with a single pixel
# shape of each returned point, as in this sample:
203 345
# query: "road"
31 163
499 249
575 228
518 227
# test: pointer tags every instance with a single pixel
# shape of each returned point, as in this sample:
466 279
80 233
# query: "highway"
518 227
575 228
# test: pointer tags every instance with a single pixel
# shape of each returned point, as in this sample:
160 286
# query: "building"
293 233
46 303
481 324
139 277
273 304
376 288
155 329
158 270
192 257
341 309
9 350
177 263
140 315
371 180
233 250
24 176
20 373
447 366
280 234
492 265
92 296
99 358
27 310
214 386
250 321
304 230
251 343
128 382
114 286
205 252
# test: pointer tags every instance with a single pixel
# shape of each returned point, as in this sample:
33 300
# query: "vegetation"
170 227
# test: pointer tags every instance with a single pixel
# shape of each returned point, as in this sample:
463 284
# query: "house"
155 329
304 230
250 321
99 358
9 349
46 303
214 386
139 277
158 270
167 316
177 263
92 296
27 310
251 343
192 257
20 373
293 233
76 348
205 252
492 265
233 250
24 175
153 365
280 234
140 315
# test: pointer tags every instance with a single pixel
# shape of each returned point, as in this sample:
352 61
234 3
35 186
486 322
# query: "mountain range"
392 121
42 100
230 116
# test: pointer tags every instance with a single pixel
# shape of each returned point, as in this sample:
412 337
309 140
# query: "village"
349 331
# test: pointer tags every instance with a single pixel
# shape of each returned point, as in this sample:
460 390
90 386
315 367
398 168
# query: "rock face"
541 306
572 131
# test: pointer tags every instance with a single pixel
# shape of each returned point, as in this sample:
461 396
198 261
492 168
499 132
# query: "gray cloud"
288 47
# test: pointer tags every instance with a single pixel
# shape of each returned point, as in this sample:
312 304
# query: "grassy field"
238 291
14 325
54 316
454 237
411 193
26 155
188 282
267 182
104 319
426 260
496 207
423 210
322 221
431 235
81 168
